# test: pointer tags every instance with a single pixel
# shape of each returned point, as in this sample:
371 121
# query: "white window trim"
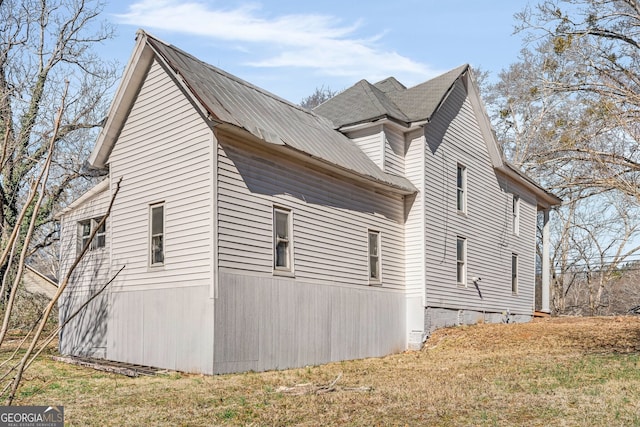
151 235
515 273
93 224
289 269
374 280
516 214
461 189
463 282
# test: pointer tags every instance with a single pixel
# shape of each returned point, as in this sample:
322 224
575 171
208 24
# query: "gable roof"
232 102
389 99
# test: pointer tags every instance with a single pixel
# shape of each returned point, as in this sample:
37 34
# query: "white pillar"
546 268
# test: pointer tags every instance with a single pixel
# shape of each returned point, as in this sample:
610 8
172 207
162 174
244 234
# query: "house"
37 283
256 235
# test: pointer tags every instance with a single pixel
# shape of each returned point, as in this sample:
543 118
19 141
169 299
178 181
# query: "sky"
291 47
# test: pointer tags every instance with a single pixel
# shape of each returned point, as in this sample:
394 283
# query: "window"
516 214
461 252
282 239
462 188
514 274
156 230
85 228
374 257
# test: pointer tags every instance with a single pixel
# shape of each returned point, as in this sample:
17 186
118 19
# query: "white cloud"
311 41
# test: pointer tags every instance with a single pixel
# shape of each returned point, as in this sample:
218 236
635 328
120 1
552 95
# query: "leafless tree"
42 44
567 113
593 46
320 95
54 92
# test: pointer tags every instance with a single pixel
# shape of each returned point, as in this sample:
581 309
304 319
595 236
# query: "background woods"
567 113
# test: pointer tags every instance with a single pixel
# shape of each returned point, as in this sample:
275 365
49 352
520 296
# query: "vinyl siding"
415 216
454 137
85 334
394 151
163 315
371 142
331 219
415 235
164 154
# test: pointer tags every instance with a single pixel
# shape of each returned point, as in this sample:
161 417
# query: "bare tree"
567 114
320 95
54 92
42 44
594 46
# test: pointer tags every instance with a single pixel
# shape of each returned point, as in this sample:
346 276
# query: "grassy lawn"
561 371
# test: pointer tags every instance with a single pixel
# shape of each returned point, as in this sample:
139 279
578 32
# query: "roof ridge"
229 75
454 71
370 89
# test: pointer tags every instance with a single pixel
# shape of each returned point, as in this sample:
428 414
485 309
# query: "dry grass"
562 371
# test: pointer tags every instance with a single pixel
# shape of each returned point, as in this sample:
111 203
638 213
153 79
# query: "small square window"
86 228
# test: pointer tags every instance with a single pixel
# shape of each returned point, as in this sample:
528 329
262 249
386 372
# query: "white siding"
394 147
163 316
415 233
454 137
330 220
163 154
86 333
371 142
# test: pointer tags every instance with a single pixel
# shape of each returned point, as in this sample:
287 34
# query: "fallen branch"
309 388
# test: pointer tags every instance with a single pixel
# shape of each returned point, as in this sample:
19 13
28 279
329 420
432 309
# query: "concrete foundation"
436 318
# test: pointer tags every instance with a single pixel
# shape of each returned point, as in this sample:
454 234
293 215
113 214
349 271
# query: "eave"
403 187
132 79
544 198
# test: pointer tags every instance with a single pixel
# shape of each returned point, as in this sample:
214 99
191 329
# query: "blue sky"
292 47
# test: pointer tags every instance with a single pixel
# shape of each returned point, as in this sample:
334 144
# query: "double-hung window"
375 267
85 228
461 256
514 274
461 183
282 241
516 214
156 235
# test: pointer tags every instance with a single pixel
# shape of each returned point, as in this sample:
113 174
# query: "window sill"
377 284
284 273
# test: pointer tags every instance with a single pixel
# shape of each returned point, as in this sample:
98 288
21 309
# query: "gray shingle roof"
393 99
231 100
